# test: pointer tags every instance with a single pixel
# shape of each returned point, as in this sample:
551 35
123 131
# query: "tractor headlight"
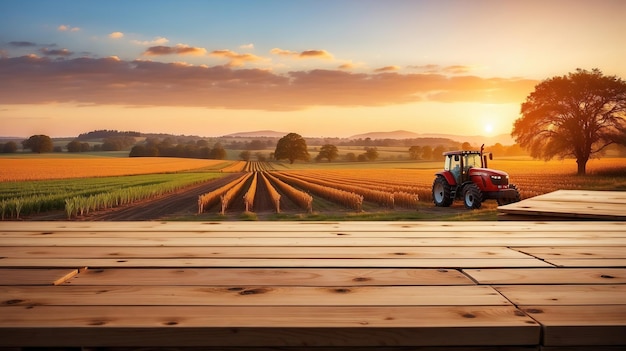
496 177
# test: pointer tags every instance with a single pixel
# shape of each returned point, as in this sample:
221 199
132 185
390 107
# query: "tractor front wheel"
442 193
472 197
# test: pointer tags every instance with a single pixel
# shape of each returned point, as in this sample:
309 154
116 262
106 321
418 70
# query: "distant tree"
427 152
218 152
73 146
245 155
84 147
371 153
350 157
117 143
291 147
57 149
497 149
38 144
414 152
137 151
9 147
260 156
329 152
466 146
256 145
204 152
438 153
576 115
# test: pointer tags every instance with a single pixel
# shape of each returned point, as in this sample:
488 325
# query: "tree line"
167 148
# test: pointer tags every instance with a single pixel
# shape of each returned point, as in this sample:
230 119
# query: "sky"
320 68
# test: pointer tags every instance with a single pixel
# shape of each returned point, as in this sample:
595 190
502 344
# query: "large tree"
38 144
291 147
577 115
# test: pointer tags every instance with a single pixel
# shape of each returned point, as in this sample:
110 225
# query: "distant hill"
397 134
477 140
257 134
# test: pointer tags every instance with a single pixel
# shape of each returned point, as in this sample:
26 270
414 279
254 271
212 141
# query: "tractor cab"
460 162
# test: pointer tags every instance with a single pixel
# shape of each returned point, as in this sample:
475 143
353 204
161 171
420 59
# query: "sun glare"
488 128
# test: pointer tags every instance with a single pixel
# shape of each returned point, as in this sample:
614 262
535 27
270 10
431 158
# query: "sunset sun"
488 128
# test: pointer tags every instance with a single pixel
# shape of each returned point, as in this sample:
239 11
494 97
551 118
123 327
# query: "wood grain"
519 276
271 277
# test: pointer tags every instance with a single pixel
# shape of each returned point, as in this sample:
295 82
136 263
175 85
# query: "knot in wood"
253 291
342 290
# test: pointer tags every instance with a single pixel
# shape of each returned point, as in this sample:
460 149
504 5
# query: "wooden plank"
493 232
266 326
581 325
519 276
400 252
573 262
564 294
356 226
572 204
271 277
450 263
43 276
330 242
463 295
595 252
611 197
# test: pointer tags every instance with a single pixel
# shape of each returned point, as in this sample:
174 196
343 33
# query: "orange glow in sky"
316 68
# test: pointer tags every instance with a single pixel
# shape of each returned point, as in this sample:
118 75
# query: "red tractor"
465 176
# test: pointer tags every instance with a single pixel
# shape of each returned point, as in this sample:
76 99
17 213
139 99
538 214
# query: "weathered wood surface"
330 285
599 205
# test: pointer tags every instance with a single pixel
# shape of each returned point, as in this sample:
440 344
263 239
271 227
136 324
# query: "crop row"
211 198
299 188
342 197
81 196
299 197
258 166
384 194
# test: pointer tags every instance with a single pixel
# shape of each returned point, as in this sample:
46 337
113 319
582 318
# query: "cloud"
347 65
55 52
320 54
32 80
116 35
179 49
454 69
247 46
236 59
154 42
65 28
457 69
388 69
22 44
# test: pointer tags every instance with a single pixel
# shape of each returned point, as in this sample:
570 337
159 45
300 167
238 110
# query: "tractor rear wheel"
472 197
442 192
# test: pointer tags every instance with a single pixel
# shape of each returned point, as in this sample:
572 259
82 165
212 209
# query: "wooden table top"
314 285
